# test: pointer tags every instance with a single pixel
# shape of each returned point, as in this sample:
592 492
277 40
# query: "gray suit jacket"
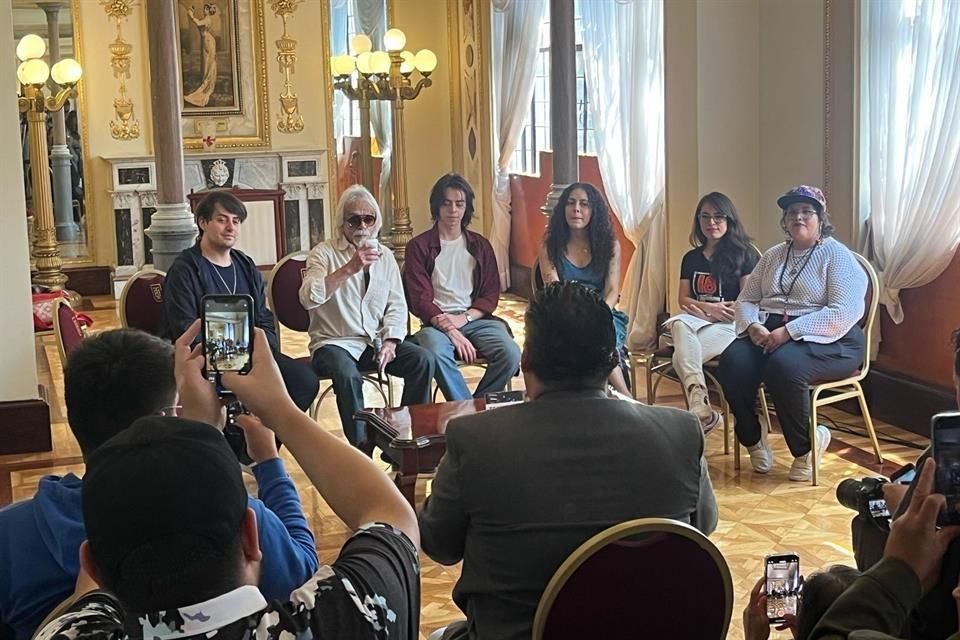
522 486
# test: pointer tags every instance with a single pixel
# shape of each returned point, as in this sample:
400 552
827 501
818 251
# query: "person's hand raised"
261 390
914 538
197 396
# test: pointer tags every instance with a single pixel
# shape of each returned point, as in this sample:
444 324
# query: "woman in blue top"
580 245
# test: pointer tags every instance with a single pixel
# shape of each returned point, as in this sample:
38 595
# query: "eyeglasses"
172 412
803 214
716 218
356 221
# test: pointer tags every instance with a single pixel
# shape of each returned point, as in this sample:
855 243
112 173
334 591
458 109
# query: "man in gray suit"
522 486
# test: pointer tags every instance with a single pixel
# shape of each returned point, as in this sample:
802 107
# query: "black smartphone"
904 475
945 441
227 335
782 572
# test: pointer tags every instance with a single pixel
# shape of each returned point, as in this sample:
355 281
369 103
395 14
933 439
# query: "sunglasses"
716 218
356 221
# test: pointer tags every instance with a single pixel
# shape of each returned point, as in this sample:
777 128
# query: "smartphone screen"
783 585
904 475
227 336
945 437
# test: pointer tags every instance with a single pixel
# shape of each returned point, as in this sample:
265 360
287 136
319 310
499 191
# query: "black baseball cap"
160 477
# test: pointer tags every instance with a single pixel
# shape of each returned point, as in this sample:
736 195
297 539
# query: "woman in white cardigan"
796 322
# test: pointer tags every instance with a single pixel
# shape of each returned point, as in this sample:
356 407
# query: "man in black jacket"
214 266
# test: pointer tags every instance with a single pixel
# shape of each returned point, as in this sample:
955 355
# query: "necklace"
800 263
798 260
216 270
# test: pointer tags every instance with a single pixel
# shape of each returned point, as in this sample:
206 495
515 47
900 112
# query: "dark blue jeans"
786 373
413 363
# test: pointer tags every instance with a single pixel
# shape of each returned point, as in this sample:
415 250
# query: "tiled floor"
758 514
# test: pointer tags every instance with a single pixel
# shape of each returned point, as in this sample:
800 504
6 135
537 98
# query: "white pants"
692 348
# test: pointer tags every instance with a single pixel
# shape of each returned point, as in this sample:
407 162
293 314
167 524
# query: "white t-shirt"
453 276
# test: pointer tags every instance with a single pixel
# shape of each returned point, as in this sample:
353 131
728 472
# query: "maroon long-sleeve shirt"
421 256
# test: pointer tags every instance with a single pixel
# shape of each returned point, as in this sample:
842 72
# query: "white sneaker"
761 457
802 469
699 402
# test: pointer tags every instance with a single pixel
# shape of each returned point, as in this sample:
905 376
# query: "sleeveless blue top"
588 275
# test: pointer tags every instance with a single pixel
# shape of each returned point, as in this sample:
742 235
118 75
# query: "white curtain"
623 56
339 45
910 141
371 17
516 29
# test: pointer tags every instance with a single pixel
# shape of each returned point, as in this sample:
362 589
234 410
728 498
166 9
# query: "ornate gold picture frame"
223 60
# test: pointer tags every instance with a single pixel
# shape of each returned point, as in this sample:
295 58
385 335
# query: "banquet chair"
645 578
283 298
141 302
66 328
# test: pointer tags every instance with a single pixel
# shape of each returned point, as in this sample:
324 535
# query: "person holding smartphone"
358 316
215 266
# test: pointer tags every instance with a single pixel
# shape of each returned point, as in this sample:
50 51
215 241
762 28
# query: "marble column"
67 229
172 227
563 100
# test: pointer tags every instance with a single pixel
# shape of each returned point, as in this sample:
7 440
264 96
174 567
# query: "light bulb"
344 65
408 63
426 61
363 63
67 72
33 72
360 43
394 39
31 46
380 62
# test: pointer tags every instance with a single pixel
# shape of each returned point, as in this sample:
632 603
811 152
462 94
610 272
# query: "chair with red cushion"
66 329
646 578
283 297
141 302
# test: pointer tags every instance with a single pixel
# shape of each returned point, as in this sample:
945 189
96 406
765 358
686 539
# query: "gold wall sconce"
125 125
289 120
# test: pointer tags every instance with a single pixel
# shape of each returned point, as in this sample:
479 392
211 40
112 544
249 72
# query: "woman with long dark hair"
580 245
711 276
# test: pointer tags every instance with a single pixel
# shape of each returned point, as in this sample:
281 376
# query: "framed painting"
223 76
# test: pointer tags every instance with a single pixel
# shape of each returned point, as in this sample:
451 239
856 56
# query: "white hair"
359 193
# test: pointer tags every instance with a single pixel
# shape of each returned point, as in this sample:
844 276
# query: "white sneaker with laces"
802 468
761 457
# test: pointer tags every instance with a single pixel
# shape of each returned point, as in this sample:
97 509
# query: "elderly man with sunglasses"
358 315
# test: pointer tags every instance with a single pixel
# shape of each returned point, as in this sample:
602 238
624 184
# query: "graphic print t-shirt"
703 285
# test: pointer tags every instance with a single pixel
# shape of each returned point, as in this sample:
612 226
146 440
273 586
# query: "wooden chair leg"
868 421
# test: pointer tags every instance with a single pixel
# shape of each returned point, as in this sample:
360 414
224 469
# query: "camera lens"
848 493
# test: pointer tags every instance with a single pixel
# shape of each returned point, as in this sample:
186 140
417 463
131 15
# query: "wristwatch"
467 317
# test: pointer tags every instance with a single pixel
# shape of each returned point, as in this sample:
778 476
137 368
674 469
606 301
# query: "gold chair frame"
126 288
620 531
365 376
843 389
57 331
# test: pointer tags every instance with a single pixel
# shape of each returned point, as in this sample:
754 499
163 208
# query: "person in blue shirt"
111 380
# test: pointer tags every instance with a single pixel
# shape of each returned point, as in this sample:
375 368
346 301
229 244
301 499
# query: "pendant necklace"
799 264
216 270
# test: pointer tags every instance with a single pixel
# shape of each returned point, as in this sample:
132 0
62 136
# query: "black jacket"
187 282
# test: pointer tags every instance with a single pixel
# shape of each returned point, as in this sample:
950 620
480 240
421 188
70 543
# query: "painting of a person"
207 24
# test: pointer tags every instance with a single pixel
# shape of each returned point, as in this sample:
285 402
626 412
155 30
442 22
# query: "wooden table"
413 437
